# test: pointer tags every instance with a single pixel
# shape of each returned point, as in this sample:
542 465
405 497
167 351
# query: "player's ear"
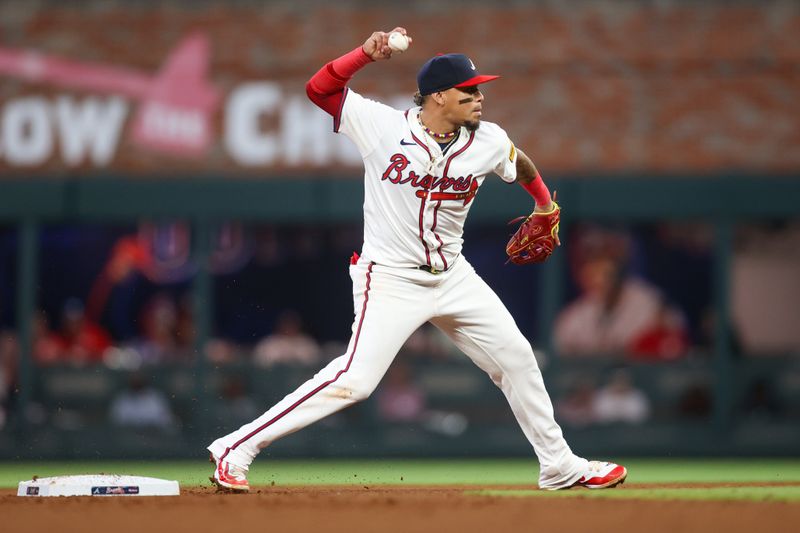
439 97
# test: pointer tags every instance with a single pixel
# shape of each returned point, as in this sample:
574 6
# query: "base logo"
32 491
109 491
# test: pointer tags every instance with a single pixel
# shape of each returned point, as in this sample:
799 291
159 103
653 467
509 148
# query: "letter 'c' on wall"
245 140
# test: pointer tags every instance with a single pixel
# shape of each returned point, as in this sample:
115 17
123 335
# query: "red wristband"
538 190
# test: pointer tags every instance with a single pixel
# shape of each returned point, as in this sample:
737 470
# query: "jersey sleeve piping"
337 119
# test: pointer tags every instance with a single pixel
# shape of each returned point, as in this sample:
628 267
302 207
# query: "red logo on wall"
176 105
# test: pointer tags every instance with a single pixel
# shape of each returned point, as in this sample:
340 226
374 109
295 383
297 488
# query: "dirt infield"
389 509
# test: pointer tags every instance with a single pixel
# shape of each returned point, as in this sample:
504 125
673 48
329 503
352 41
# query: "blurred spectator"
287 344
620 401
613 308
222 351
400 399
47 345
127 257
665 339
428 341
141 406
159 341
168 336
81 340
576 408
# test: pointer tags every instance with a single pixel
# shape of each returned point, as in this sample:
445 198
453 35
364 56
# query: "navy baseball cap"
449 70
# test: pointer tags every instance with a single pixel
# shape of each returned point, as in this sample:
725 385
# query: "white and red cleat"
228 477
602 475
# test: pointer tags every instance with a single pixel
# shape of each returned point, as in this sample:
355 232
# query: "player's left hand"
536 238
377 45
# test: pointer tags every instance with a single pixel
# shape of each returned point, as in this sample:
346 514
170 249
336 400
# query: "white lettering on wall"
263 127
247 143
308 139
89 128
86 129
303 134
172 124
25 132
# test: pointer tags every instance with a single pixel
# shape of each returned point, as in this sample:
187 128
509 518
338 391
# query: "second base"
98 485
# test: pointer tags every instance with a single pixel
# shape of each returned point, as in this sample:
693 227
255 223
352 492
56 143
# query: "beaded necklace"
437 136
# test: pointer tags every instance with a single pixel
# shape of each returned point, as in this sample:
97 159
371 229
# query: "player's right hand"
377 45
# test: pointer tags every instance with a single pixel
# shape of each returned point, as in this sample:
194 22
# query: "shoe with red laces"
228 477
602 475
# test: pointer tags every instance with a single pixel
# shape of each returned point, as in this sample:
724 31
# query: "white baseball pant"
390 304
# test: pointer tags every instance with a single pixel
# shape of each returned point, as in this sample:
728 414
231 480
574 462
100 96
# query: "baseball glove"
536 238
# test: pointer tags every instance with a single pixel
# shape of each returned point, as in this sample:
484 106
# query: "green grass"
776 494
468 472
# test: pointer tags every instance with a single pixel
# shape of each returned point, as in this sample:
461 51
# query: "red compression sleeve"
538 190
326 87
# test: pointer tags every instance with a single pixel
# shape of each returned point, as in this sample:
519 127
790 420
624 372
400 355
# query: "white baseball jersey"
416 199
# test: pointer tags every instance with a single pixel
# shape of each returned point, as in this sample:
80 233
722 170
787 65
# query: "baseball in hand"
398 42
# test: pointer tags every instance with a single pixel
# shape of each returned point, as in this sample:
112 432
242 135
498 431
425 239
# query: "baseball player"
423 167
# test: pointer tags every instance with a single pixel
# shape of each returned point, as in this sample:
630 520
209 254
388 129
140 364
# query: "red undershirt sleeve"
326 87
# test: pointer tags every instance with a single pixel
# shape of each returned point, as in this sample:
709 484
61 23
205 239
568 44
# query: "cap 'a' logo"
471 64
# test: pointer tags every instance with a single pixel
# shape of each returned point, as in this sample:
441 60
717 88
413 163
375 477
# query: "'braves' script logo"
432 187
